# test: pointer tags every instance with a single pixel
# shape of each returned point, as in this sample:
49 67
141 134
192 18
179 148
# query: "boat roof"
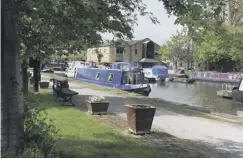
160 66
148 60
119 70
121 63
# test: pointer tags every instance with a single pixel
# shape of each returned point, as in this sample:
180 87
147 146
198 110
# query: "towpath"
220 135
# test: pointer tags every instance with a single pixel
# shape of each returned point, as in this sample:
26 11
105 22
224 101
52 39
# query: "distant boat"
126 80
180 76
73 65
152 74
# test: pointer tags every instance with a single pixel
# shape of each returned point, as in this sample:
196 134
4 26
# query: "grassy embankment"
81 135
176 107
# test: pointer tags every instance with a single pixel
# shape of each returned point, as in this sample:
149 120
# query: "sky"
158 33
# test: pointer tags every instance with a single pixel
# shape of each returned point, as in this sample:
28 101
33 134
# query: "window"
119 50
97 75
136 51
110 77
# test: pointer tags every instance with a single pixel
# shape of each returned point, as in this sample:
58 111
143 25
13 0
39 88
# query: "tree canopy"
214 26
50 26
178 48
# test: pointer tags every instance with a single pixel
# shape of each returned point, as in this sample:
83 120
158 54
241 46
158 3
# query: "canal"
200 94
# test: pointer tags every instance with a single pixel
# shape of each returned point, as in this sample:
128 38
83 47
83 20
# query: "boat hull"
89 75
182 80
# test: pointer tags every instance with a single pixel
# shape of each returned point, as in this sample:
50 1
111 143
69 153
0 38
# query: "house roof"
148 60
123 43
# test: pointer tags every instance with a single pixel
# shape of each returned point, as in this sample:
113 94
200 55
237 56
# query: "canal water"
199 94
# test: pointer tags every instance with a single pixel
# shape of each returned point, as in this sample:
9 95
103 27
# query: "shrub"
39 133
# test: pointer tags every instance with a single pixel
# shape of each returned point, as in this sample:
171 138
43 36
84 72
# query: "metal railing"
227 87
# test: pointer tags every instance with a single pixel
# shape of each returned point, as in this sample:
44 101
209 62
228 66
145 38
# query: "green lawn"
80 135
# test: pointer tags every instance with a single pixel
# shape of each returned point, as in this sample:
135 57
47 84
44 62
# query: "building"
125 51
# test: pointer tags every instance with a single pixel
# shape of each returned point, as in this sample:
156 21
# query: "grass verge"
80 135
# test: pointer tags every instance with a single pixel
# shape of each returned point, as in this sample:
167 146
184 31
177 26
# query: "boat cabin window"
110 77
147 65
124 66
97 75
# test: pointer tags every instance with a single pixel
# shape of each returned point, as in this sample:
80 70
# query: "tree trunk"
176 64
25 77
36 75
12 100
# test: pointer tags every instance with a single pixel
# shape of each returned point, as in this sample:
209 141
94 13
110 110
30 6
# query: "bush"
39 134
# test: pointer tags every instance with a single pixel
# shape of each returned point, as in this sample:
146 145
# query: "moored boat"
237 92
218 77
180 76
73 65
156 73
126 80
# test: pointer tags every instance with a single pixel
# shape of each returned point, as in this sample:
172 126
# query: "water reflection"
200 94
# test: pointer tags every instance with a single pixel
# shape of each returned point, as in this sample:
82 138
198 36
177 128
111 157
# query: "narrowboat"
218 77
126 80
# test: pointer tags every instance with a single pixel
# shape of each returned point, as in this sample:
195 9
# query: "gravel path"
221 135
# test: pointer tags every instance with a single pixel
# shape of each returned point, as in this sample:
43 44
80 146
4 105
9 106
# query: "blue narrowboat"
126 80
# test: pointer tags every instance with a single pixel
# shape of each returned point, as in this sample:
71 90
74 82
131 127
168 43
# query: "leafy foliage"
213 47
50 26
39 133
179 48
197 13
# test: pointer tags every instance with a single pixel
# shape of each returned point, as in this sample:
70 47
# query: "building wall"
109 54
137 57
134 56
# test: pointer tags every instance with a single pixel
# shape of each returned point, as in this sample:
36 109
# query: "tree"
178 48
235 12
212 47
11 104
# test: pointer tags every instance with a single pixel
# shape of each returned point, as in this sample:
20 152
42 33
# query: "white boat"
74 65
153 70
180 76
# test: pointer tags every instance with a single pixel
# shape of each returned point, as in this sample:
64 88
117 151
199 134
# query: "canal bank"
169 118
171 99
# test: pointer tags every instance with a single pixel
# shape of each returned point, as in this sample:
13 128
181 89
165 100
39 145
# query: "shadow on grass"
120 147
104 145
